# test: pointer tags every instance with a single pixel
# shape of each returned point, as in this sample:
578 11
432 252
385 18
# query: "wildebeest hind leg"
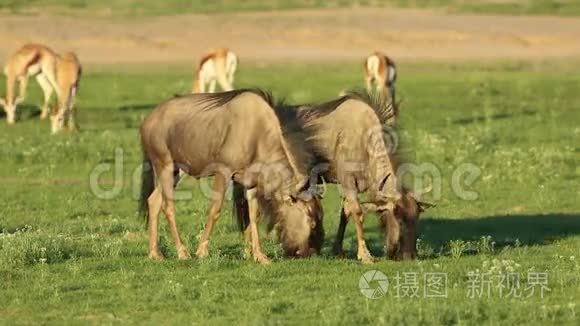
154 203
337 247
166 182
219 189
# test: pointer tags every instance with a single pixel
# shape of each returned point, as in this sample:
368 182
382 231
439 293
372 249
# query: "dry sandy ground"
300 35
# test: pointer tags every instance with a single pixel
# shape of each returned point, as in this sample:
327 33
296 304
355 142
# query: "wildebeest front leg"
353 210
248 235
337 247
253 208
219 190
392 235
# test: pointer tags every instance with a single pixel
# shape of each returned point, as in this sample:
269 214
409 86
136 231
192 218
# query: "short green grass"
67 256
171 7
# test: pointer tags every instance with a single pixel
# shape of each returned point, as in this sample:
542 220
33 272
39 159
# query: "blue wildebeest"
346 138
232 135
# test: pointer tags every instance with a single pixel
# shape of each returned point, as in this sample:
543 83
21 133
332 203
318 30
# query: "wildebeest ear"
383 182
423 206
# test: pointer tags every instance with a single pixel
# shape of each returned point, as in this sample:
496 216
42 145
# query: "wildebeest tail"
240 207
147 187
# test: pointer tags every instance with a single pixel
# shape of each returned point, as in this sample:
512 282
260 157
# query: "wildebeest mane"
214 101
294 138
382 107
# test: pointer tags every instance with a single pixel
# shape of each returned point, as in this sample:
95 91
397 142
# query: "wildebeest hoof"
262 259
202 253
365 257
155 255
338 252
183 254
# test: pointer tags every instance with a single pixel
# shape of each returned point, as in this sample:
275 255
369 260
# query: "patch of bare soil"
299 35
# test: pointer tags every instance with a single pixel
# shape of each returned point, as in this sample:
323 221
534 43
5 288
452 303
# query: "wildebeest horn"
383 182
423 191
427 189
319 190
302 184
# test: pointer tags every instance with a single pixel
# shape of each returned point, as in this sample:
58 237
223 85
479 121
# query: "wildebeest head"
400 219
300 224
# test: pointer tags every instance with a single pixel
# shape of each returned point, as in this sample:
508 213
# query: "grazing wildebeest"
295 241
347 138
231 135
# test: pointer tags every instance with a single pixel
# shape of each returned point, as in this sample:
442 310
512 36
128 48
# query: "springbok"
241 138
216 66
381 70
68 77
30 60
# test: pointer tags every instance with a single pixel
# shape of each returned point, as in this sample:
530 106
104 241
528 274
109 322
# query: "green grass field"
169 7
68 256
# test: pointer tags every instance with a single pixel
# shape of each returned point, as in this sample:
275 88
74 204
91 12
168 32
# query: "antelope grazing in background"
216 66
68 77
233 135
60 74
30 60
381 70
